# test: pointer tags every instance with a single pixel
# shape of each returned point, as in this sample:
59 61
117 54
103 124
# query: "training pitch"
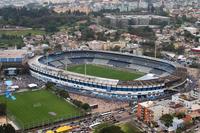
36 107
105 72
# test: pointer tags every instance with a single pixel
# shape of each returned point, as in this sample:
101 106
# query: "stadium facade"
167 75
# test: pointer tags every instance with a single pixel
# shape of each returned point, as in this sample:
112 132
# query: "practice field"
36 107
105 72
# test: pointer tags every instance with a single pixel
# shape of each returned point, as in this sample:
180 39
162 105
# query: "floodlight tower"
162 3
150 5
85 67
138 4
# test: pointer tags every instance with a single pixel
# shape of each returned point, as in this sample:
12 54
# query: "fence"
44 123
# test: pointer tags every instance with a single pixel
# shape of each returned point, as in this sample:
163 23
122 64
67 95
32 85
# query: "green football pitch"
105 72
33 108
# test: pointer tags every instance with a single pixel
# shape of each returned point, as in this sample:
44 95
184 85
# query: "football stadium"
109 74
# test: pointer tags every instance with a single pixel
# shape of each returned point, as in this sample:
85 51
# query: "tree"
77 103
172 38
58 48
49 86
179 130
180 115
169 47
51 28
11 40
167 119
38 18
2 109
116 48
87 34
111 129
108 128
101 36
86 107
82 105
145 32
7 129
63 94
180 50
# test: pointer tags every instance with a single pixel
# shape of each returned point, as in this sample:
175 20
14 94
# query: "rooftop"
157 107
12 53
178 121
147 104
187 98
175 105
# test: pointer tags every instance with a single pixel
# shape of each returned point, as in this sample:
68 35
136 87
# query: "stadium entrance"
11 71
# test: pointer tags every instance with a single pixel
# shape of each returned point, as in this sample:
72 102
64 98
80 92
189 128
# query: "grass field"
125 128
35 107
22 32
129 128
105 72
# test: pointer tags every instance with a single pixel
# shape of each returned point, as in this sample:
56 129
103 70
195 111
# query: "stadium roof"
148 77
12 53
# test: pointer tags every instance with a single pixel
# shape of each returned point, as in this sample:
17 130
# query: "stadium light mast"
47 59
85 68
155 50
47 54
66 65
138 4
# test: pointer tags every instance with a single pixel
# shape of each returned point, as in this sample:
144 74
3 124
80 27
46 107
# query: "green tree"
7 129
58 48
111 129
2 109
77 103
180 115
180 50
167 119
86 107
145 32
169 47
51 28
87 34
107 128
49 86
63 94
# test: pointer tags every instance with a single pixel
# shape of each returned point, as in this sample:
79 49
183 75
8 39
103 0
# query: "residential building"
177 123
150 111
186 99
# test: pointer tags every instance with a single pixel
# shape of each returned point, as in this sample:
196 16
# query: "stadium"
150 76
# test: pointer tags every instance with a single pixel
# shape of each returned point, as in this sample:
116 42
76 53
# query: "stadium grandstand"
160 75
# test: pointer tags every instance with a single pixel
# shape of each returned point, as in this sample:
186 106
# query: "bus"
106 113
94 125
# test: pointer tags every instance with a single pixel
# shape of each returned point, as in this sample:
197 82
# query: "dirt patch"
103 105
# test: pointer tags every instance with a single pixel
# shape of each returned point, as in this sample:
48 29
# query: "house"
177 123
